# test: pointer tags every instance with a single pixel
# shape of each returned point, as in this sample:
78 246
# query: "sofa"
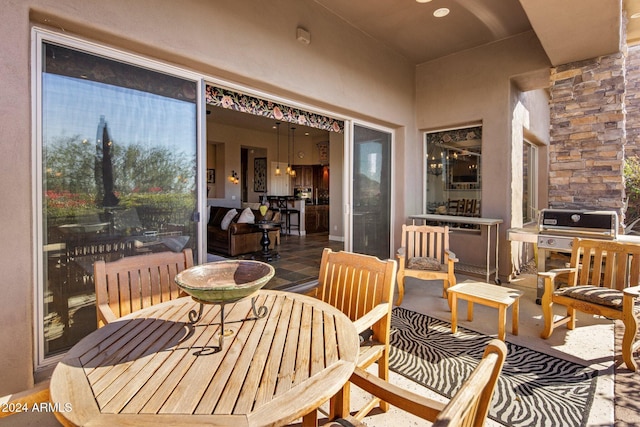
239 237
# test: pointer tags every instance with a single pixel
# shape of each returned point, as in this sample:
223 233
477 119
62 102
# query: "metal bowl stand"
195 316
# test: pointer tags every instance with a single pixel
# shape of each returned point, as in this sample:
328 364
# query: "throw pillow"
227 219
268 216
423 263
246 217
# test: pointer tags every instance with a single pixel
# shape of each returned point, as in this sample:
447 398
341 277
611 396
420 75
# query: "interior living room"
136 127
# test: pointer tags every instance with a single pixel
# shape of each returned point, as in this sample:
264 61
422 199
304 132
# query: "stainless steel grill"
558 227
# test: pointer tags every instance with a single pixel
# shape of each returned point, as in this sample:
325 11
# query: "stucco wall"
475 87
249 43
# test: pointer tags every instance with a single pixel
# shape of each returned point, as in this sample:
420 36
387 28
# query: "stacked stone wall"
632 102
588 135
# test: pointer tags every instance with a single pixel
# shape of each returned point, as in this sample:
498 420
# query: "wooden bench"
603 279
486 294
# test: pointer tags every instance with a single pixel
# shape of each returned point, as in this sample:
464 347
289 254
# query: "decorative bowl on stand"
225 282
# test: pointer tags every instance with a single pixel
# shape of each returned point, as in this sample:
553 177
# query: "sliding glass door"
117 161
371 212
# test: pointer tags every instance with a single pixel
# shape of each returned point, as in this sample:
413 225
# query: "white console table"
482 222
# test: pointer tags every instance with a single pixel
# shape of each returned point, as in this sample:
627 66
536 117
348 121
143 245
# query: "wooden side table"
266 255
487 294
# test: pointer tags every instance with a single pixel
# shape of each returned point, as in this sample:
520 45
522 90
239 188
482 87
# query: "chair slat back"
136 282
606 263
355 283
425 241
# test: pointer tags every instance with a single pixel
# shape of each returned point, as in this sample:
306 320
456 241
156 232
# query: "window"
117 176
529 182
453 171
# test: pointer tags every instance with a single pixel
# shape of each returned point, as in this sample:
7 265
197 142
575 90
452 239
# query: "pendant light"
288 152
293 148
278 149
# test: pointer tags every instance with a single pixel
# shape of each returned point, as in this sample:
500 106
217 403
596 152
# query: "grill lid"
602 224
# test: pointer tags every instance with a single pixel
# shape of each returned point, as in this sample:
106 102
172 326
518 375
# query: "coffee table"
486 294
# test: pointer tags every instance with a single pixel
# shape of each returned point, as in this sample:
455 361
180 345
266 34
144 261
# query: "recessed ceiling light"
423 1
439 13
635 15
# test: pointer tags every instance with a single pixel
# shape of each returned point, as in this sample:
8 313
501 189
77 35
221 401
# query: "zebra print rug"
534 389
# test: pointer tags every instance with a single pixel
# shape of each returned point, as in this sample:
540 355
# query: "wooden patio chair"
35 395
425 255
603 279
361 286
136 282
455 207
468 407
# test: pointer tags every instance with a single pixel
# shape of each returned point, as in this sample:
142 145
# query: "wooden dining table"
155 367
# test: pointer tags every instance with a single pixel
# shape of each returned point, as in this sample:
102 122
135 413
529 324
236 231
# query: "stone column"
632 101
588 134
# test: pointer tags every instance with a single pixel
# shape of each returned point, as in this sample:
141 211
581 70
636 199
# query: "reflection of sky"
370 160
73 107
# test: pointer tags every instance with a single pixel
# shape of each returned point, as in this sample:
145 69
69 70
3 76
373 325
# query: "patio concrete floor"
591 343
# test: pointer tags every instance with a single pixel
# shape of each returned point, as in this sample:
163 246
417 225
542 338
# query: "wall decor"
211 176
225 98
260 174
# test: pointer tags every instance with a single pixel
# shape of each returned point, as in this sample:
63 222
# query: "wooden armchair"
468 407
603 279
136 282
425 255
361 286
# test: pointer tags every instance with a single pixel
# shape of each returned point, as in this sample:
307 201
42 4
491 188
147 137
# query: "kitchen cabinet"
304 176
315 176
321 177
316 219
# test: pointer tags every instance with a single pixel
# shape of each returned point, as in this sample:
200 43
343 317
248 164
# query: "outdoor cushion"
593 294
424 263
228 218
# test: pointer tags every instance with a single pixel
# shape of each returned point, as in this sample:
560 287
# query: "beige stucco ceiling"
569 30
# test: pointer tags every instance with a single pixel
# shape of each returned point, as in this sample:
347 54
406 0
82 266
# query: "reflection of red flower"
155 190
277 113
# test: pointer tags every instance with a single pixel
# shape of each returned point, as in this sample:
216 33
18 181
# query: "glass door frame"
349 172
39 37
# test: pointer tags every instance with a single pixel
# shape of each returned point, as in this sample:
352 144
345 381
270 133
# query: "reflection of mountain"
367 192
365 186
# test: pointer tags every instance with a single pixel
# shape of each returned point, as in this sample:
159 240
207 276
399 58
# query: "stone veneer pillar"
588 135
632 101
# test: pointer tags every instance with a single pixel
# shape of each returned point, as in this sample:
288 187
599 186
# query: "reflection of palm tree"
109 198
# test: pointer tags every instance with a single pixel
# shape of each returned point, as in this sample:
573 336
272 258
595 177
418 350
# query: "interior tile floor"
299 259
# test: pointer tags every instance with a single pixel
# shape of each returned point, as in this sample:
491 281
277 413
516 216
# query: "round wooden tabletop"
153 367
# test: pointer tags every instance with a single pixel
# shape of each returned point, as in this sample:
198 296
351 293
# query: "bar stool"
286 212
